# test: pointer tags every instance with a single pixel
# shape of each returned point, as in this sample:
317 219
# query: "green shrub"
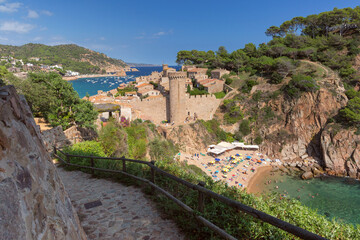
220 95
245 128
276 78
258 140
351 93
246 88
161 149
256 96
86 148
351 113
300 83
113 139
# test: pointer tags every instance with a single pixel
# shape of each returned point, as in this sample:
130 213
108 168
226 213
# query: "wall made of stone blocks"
154 110
203 105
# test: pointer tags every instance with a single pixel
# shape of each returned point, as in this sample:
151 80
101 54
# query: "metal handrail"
202 191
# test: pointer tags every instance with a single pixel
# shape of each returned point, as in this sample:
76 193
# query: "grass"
220 95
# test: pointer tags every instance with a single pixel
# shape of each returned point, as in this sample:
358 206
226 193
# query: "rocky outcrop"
297 134
191 138
341 151
78 134
33 201
54 137
59 138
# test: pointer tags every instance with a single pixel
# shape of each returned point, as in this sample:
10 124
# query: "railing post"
92 165
201 198
67 158
124 164
152 176
55 152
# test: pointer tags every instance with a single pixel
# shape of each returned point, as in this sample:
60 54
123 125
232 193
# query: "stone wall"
33 201
204 106
154 110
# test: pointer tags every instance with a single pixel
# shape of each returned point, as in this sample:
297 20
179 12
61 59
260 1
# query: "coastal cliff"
341 151
34 203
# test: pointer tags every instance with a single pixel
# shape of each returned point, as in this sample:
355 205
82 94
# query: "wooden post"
67 158
152 176
124 164
92 165
55 150
201 198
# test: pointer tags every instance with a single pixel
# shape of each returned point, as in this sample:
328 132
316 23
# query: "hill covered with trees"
71 56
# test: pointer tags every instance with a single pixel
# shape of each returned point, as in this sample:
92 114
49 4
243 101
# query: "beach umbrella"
237 155
217 159
248 157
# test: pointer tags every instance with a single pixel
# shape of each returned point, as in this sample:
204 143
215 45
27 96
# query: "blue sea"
333 197
91 85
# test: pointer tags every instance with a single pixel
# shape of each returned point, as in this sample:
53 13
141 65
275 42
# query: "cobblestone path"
124 213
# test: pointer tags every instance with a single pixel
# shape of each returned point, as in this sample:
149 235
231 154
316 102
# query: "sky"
143 31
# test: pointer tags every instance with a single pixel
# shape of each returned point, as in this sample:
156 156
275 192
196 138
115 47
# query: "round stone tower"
177 91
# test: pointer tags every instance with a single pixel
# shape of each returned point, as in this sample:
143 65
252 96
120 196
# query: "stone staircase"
110 210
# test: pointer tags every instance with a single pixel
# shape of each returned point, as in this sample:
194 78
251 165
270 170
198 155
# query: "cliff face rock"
341 151
191 138
54 137
297 134
33 201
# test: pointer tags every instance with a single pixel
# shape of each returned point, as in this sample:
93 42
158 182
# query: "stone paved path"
125 212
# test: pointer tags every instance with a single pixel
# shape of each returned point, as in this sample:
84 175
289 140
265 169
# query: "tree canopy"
55 99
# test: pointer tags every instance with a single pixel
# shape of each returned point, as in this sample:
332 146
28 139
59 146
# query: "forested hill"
71 56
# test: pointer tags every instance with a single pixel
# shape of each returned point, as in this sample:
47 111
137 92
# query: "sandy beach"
239 168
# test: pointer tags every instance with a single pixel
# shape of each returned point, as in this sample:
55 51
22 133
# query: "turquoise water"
332 196
92 85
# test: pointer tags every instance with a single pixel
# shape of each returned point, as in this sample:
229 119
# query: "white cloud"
159 34
47 13
102 38
33 14
37 39
17 27
3 39
9 7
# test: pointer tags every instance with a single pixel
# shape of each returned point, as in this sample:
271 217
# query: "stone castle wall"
154 110
33 201
203 106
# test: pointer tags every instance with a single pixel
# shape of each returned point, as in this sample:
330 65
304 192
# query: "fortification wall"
202 106
154 110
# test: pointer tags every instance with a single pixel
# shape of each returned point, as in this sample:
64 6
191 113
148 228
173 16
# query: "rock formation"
296 135
191 138
341 151
33 201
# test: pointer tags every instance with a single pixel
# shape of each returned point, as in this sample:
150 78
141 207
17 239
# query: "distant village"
14 65
164 97
20 68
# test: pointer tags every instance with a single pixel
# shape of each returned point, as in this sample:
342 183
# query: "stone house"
197 73
218 73
149 92
214 86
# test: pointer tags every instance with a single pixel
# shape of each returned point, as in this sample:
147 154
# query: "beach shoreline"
256 183
244 173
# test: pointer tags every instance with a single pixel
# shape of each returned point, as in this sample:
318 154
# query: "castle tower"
177 94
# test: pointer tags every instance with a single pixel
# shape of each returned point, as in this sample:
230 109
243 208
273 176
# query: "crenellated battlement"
208 96
177 75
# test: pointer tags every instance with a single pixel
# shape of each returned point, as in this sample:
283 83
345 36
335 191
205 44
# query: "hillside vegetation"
305 55
71 56
115 140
